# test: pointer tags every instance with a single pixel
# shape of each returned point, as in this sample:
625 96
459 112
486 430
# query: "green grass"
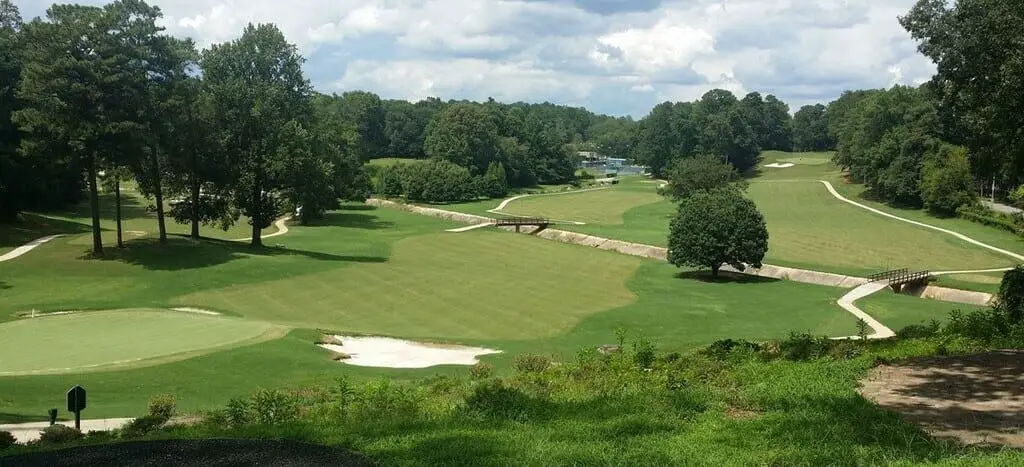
810 228
604 206
987 282
691 410
897 311
475 285
99 340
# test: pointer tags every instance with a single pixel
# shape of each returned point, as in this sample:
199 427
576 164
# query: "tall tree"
137 52
701 173
12 190
365 111
778 125
63 92
463 134
976 45
256 85
810 129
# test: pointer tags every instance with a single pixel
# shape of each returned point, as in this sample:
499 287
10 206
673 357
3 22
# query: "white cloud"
804 51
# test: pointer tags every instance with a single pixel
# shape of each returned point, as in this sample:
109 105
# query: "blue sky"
619 57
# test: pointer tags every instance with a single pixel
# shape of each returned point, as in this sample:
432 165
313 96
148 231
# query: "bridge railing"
522 221
888 275
910 278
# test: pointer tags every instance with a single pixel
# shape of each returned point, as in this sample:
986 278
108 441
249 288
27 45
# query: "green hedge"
983 215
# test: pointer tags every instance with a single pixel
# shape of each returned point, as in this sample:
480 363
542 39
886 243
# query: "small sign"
76 399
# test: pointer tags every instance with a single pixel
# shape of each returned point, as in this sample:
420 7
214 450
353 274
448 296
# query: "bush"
59 434
162 405
1011 294
919 331
143 426
481 370
439 181
493 398
237 412
643 353
803 346
946 181
845 350
271 407
530 363
1017 197
6 440
721 349
986 216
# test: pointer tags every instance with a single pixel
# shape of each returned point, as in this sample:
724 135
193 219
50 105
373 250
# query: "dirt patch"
975 399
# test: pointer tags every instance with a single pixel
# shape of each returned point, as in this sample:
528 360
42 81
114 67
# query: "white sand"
777 165
200 311
386 352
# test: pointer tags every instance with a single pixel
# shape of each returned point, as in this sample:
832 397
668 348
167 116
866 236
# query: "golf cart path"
847 303
25 432
961 236
26 248
282 228
506 202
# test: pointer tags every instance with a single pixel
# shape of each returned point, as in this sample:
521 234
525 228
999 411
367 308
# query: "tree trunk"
117 201
158 191
257 214
94 208
714 270
195 208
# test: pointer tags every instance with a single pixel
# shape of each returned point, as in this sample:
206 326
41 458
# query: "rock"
609 349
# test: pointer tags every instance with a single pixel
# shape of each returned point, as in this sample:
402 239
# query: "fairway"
104 339
604 207
810 228
476 285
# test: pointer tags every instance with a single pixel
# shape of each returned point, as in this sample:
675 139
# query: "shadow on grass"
31 226
6 418
4 286
181 253
351 220
725 277
357 207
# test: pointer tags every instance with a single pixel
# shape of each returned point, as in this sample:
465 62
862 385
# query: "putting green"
104 339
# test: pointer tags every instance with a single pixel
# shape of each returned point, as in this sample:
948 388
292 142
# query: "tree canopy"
717 227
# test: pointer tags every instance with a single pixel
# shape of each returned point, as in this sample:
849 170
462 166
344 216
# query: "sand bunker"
385 352
778 165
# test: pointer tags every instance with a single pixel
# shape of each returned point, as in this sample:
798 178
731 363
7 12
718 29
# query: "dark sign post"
76 403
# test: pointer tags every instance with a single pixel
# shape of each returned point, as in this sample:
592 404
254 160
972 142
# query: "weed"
59 434
163 406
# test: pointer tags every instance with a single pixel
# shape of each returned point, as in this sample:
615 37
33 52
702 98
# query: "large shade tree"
257 88
717 227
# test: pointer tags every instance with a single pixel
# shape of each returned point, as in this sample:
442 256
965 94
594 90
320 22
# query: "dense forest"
92 96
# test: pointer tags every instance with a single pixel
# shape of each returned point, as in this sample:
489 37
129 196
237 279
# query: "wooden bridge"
518 222
899 278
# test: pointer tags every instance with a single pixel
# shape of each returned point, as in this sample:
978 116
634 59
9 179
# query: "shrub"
271 407
59 434
643 353
985 216
481 370
946 182
803 346
143 426
1011 294
493 398
386 400
439 181
1017 197
6 440
721 349
162 405
530 363
845 350
982 325
919 331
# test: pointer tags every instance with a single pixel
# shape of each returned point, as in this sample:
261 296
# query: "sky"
618 57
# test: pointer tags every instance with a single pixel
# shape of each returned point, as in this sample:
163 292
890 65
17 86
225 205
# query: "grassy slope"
600 206
453 279
75 343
